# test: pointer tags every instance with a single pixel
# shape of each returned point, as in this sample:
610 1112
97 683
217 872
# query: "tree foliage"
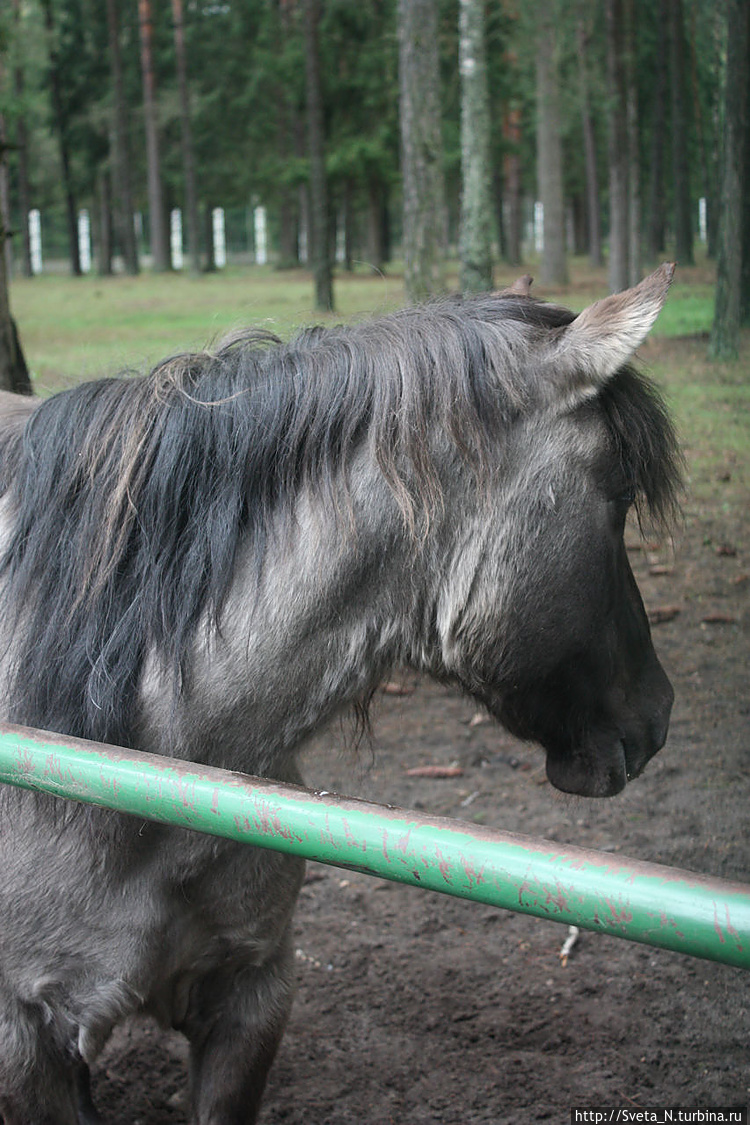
246 79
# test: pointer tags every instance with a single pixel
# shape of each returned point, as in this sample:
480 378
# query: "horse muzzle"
609 759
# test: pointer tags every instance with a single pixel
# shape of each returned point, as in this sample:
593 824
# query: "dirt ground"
417 1009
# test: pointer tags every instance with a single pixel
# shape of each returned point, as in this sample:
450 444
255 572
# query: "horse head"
541 617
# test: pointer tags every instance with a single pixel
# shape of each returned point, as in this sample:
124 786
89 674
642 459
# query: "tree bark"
618 149
14 374
476 205
5 194
22 141
186 130
425 220
376 251
157 214
725 333
512 186
745 270
319 252
104 243
656 220
593 220
683 224
634 161
554 266
61 125
121 163
208 229
288 194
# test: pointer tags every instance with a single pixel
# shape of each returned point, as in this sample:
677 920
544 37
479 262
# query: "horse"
213 560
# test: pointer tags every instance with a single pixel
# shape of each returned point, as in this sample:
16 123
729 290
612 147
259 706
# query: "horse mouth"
601 773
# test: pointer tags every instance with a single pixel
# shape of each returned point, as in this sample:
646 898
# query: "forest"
382 131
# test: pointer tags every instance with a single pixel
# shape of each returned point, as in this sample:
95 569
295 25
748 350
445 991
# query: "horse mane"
131 495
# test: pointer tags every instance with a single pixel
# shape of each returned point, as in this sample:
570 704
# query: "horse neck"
335 604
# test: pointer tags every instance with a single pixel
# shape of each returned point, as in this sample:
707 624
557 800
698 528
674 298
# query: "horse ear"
521 287
604 336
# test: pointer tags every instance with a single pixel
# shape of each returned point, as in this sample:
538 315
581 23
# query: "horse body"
473 531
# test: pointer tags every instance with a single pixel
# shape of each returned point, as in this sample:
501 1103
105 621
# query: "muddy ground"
417 1008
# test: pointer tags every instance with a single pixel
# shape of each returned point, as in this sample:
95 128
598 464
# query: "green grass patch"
710 403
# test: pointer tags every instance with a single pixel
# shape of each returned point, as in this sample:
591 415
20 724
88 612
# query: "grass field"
74 329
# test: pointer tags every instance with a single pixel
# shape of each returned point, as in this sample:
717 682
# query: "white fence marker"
175 237
261 236
84 241
341 237
35 240
539 227
220 245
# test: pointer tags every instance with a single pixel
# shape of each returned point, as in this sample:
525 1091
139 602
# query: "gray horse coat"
213 560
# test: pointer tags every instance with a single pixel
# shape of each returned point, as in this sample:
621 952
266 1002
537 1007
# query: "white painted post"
261 236
341 237
84 241
303 216
175 237
703 219
539 227
220 245
35 240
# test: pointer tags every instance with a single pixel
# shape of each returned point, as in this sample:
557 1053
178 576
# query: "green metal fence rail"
644 902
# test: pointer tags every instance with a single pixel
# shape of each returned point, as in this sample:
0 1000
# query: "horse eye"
622 503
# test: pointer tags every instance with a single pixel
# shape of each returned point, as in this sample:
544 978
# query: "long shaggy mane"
131 495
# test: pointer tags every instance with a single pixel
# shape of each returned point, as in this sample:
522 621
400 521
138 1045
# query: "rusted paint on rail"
639 901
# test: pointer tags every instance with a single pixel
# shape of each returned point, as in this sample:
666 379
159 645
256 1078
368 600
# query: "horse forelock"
133 494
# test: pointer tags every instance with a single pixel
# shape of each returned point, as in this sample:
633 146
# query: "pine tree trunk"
425 224
104 242
208 231
319 232
285 132
554 267
157 214
186 130
589 148
656 220
24 195
375 248
683 225
512 187
634 162
14 374
745 270
708 181
287 228
61 125
618 150
121 157
22 141
348 221
5 193
476 205
725 333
